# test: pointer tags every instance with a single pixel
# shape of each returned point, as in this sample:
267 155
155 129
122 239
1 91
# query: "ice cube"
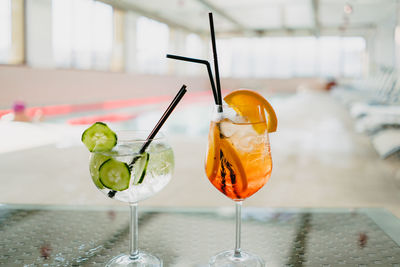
239 119
227 128
245 138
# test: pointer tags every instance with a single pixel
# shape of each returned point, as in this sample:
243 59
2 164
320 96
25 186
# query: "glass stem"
238 205
133 240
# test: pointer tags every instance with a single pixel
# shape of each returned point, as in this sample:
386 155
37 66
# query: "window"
152 45
194 48
241 61
353 54
283 57
5 30
304 56
329 55
82 34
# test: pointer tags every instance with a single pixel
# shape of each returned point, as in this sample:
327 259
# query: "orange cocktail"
238 159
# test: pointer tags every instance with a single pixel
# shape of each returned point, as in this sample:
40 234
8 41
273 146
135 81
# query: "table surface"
89 236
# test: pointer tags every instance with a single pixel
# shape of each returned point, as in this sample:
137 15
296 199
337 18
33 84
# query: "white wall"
130 41
52 87
176 46
384 45
397 38
381 43
39 33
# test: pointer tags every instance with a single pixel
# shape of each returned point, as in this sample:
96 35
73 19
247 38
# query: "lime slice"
140 167
115 174
99 138
94 165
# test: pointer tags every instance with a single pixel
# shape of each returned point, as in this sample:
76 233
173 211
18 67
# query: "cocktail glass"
149 173
238 164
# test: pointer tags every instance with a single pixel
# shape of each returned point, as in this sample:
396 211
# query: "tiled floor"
319 161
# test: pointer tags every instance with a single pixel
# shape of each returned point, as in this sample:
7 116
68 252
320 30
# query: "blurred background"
329 68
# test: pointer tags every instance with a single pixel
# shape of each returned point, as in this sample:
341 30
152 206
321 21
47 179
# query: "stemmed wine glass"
131 166
238 164
127 175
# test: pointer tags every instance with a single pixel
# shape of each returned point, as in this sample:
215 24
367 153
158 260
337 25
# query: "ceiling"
266 17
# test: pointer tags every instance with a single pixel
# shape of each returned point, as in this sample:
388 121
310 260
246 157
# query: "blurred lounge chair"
372 124
373 90
361 110
387 142
389 103
374 103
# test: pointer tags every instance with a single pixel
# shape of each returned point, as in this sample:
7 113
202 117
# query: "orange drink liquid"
238 161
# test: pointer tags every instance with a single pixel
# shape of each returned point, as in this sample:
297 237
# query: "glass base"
143 260
228 259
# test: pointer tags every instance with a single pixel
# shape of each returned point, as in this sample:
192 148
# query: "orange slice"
233 158
213 157
244 101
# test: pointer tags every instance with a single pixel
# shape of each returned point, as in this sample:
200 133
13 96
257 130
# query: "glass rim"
137 136
236 105
131 140
218 115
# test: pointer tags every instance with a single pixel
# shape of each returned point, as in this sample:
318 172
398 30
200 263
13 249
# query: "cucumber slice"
115 174
99 138
94 165
140 167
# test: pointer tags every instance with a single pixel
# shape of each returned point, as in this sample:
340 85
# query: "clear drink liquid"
158 171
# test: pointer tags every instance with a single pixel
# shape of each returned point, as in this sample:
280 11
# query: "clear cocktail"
133 176
130 166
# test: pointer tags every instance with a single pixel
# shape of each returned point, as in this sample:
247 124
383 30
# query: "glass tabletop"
90 236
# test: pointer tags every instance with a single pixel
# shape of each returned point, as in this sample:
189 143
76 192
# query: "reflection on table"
90 236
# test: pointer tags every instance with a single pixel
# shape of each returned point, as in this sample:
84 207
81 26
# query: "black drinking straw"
214 47
155 130
201 61
163 118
